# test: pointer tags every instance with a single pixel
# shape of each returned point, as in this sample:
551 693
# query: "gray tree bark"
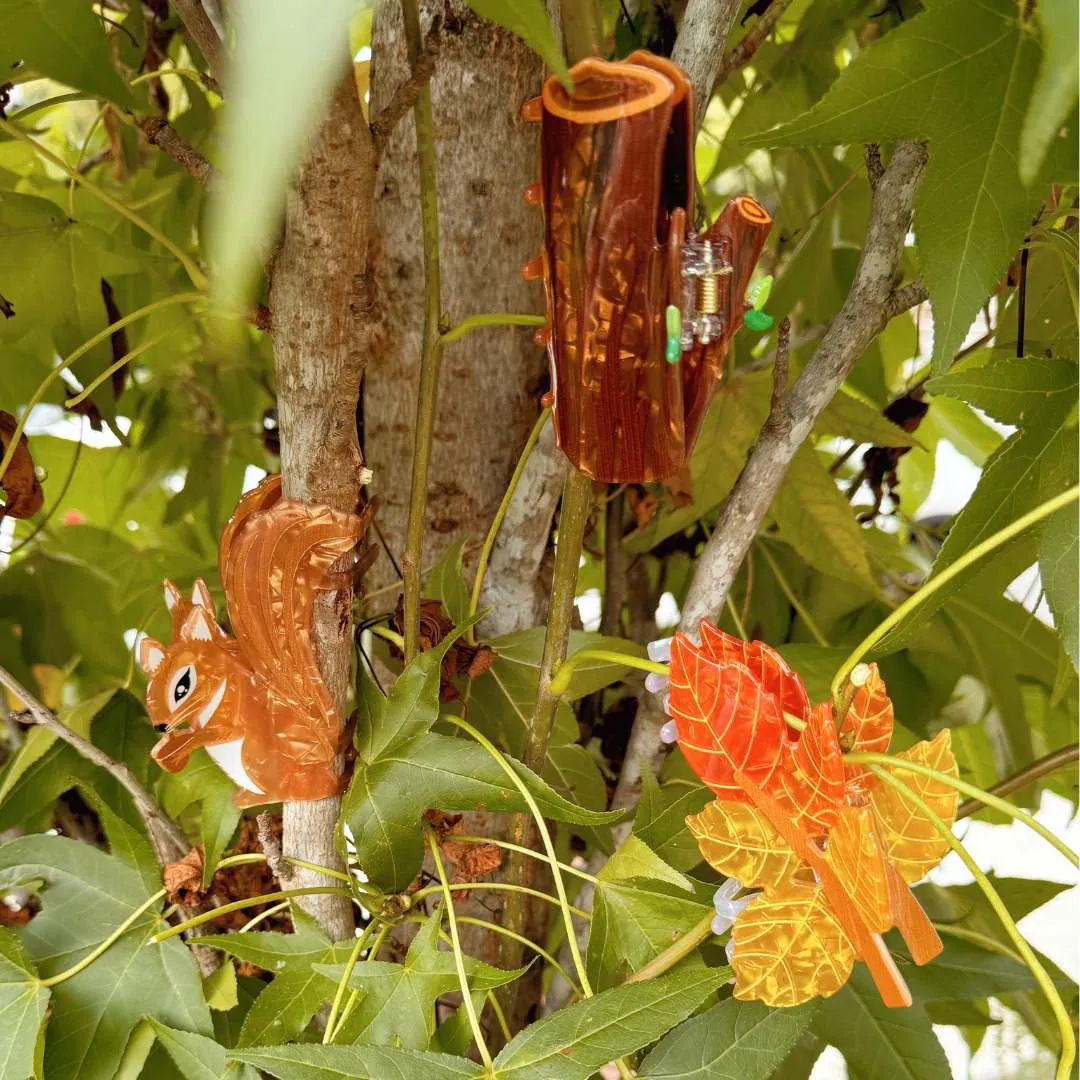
487 400
320 316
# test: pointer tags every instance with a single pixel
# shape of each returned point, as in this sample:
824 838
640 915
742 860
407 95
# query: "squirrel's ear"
200 626
200 595
173 595
151 653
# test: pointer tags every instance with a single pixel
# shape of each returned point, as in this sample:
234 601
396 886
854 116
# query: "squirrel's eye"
182 685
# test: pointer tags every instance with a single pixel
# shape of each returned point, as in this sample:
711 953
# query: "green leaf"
501 701
964 971
398 1003
293 55
446 583
221 988
1013 391
196 1057
527 19
878 1041
23 1002
853 418
315 1062
728 431
1054 96
640 906
51 268
87 895
576 1041
388 796
735 1040
1059 558
976 64
297 991
818 522
202 782
660 820
62 40
38 740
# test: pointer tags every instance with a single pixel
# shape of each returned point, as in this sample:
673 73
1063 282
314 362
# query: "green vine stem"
497 886
343 984
898 763
504 505
354 995
897 616
131 354
549 848
1057 1006
560 682
431 348
239 905
479 322
82 350
112 939
198 278
459 957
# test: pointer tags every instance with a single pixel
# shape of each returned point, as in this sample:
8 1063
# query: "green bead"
758 294
673 350
673 319
757 320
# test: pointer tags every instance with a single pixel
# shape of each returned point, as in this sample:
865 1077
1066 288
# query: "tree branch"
169 842
743 53
871 302
202 32
406 95
163 135
699 48
1056 759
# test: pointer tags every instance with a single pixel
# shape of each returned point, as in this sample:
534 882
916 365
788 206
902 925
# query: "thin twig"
743 53
169 842
163 135
778 417
874 169
1056 759
201 30
699 48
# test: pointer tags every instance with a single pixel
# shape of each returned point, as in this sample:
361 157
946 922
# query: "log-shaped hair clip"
640 311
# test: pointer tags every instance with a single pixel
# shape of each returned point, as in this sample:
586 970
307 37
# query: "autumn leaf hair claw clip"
640 310
831 849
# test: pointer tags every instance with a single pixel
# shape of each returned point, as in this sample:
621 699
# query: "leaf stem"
478 322
1057 1006
1056 759
431 345
269 913
560 682
239 905
112 939
459 956
131 354
343 984
1002 536
984 941
679 950
85 347
198 278
892 762
504 505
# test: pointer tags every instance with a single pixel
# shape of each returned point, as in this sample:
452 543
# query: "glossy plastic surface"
617 181
257 701
831 848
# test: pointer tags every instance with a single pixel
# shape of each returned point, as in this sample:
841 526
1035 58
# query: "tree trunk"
487 397
320 315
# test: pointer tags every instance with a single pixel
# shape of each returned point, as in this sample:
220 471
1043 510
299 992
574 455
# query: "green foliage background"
993 91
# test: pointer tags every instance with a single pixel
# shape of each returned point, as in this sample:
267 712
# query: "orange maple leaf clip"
832 850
